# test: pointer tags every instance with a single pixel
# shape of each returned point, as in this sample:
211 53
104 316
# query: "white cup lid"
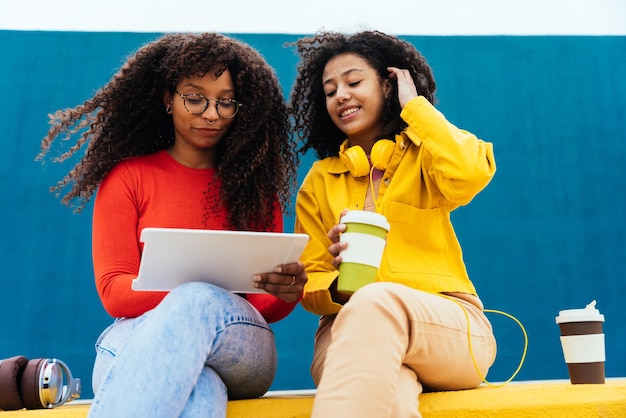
589 313
365 217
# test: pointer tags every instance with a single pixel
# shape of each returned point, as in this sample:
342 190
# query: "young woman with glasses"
192 132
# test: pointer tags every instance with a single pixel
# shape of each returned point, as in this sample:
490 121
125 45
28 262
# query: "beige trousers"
388 344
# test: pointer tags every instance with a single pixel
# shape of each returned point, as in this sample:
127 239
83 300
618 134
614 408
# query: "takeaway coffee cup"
582 341
366 234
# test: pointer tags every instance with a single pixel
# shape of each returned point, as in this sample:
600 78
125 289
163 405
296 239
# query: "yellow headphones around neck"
356 160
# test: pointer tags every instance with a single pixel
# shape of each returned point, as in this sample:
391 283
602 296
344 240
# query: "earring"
168 109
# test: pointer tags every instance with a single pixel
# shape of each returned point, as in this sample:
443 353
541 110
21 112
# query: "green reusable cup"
366 234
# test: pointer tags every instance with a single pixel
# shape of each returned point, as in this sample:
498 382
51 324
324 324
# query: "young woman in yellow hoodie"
378 348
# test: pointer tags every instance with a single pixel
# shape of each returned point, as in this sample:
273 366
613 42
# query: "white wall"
403 17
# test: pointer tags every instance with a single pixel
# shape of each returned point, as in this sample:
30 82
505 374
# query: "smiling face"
195 136
355 98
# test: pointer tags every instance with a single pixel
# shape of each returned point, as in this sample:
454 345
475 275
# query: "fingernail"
278 270
256 279
255 284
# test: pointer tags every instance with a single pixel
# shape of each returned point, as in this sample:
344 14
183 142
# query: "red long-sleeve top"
155 191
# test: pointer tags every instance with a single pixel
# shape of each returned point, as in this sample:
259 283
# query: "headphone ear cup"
382 151
11 371
356 161
30 385
52 390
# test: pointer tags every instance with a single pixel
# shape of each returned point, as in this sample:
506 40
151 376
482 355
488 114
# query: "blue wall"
546 235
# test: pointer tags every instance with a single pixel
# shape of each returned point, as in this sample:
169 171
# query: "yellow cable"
519 367
374 197
469 341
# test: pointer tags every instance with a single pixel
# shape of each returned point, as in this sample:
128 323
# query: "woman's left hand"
285 282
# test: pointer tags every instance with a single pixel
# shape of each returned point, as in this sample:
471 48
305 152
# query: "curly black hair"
313 124
256 161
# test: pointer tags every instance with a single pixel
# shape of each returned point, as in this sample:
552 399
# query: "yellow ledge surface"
516 400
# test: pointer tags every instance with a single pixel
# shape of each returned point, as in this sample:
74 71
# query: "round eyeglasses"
196 104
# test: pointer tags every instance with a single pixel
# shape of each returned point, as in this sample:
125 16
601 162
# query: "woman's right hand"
335 249
337 246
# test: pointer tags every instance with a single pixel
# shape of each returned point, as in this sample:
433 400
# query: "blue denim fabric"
199 347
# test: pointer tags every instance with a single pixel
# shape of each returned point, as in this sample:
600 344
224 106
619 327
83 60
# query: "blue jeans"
199 347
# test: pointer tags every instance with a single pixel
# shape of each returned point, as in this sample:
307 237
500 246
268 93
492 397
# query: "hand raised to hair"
286 282
406 86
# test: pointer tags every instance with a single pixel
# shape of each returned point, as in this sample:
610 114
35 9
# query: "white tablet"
229 259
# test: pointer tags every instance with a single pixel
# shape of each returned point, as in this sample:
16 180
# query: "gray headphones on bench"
35 384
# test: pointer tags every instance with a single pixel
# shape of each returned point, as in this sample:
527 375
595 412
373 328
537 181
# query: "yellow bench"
535 399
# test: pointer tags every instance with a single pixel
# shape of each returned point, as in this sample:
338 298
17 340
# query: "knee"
197 289
382 302
197 292
377 314
195 298
377 296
